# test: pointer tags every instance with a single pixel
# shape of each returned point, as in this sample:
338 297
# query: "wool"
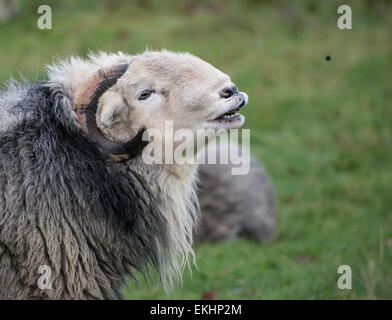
62 205
234 205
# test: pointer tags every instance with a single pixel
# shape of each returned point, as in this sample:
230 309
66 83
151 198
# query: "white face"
160 87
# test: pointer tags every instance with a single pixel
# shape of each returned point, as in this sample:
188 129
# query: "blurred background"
320 116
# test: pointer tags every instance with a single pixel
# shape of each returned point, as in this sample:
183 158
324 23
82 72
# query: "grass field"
321 128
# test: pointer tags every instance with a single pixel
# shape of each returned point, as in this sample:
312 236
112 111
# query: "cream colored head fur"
160 86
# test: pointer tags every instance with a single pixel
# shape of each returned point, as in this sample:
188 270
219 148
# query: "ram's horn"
85 104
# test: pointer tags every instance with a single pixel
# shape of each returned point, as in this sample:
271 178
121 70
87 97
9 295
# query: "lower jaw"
233 123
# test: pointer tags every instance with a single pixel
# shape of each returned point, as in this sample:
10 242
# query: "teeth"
231 115
228 116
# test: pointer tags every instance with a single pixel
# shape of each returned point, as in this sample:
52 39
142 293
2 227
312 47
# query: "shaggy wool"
62 205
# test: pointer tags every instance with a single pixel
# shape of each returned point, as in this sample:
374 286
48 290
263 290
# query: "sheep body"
234 205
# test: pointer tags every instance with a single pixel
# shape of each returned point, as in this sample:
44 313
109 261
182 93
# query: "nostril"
227 93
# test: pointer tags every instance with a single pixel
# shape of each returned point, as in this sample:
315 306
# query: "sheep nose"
228 92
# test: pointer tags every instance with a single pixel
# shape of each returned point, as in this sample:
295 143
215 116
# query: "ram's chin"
234 121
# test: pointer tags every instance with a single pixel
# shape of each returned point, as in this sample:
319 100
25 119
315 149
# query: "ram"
75 194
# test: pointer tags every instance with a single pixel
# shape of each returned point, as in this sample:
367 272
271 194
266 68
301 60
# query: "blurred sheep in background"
234 205
8 9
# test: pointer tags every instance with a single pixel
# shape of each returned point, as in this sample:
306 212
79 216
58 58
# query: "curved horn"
85 104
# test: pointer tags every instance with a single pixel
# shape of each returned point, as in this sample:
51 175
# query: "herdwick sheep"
8 9
77 202
234 205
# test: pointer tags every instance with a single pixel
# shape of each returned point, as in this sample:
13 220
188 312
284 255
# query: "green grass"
321 128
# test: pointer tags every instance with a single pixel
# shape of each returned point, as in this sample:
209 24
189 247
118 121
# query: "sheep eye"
145 94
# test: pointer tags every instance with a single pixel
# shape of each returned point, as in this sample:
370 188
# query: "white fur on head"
73 71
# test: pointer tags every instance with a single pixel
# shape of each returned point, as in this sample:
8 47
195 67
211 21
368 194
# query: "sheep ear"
112 106
85 103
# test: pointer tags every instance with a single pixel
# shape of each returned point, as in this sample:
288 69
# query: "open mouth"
229 116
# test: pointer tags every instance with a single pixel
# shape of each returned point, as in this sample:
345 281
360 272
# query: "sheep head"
116 104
